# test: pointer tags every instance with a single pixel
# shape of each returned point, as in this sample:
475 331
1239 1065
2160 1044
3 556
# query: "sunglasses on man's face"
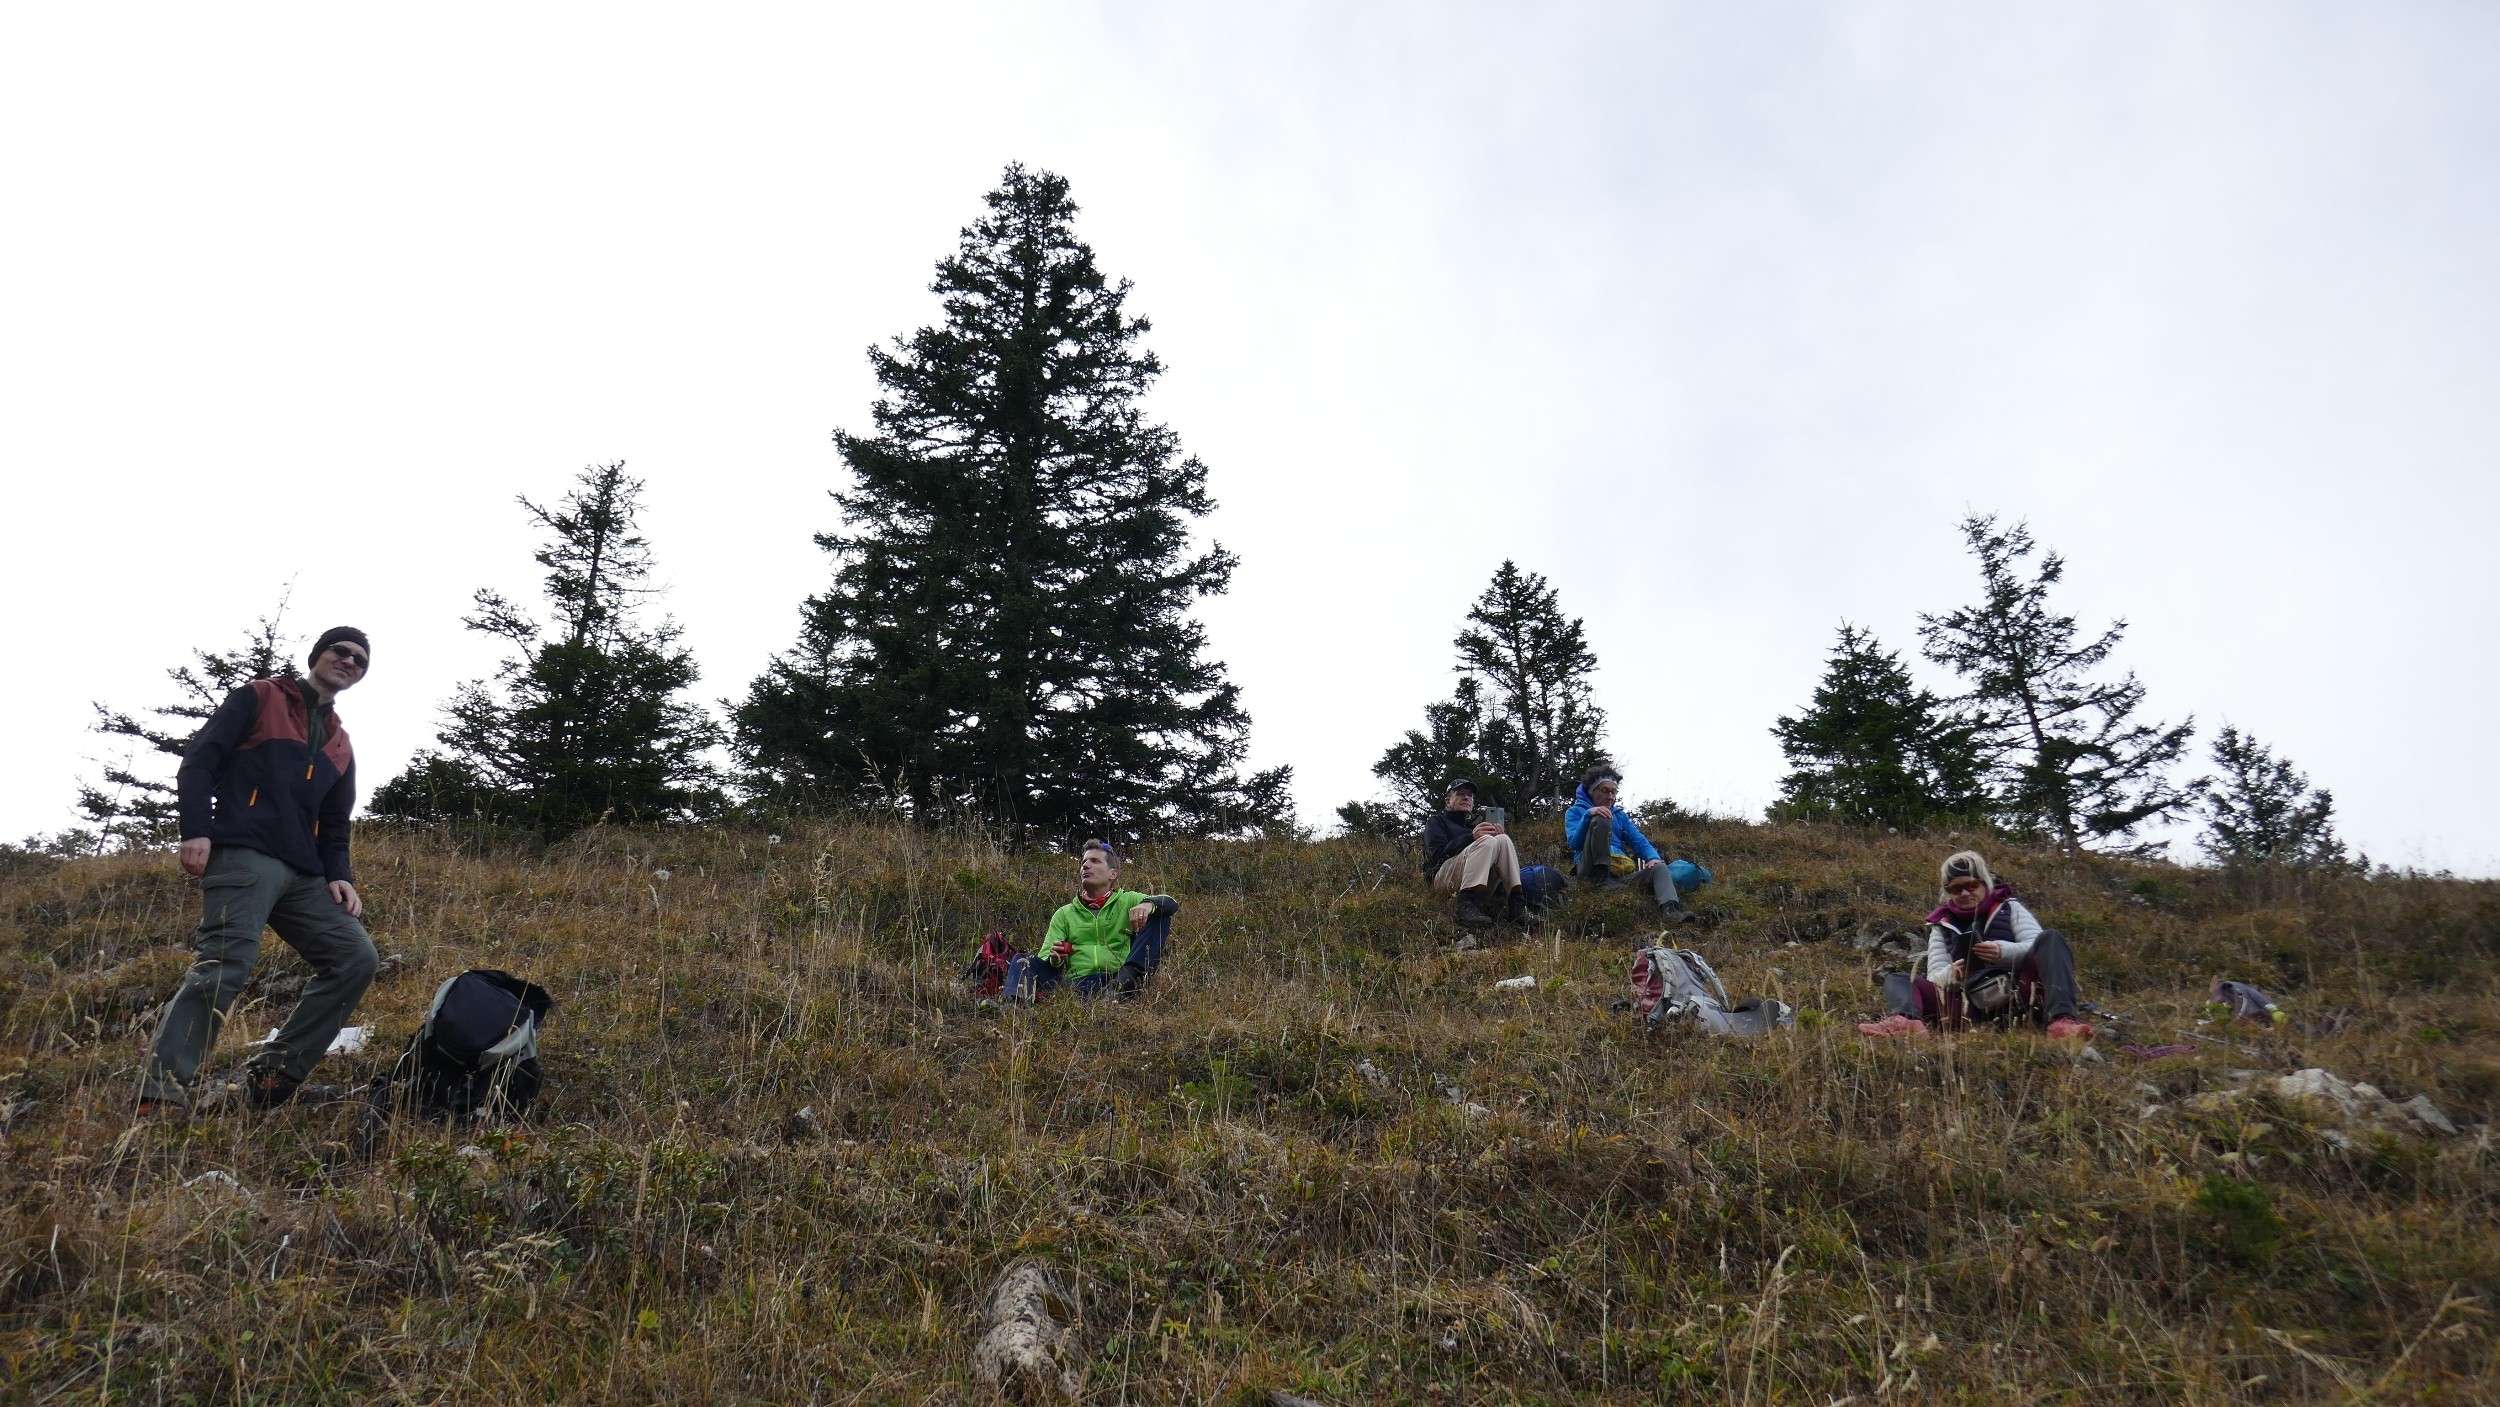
343 652
1963 886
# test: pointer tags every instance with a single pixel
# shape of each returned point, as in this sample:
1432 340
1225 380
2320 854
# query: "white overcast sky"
1719 316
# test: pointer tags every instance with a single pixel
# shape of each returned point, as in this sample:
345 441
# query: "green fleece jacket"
1099 936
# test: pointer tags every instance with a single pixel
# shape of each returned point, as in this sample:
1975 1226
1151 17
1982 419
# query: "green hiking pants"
242 892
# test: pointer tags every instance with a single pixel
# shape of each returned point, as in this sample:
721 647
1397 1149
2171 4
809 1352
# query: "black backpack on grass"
477 1053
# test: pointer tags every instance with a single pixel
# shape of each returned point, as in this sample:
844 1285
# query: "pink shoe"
2067 1028
1895 1025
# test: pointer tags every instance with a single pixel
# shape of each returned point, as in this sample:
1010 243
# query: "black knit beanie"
335 634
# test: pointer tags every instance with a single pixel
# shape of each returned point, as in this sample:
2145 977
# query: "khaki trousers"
1489 859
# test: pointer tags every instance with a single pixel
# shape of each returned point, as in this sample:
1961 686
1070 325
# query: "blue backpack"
1543 884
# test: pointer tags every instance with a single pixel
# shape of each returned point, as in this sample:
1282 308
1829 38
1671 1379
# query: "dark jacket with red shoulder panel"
253 778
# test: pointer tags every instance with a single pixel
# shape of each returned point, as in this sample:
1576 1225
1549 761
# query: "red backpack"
986 974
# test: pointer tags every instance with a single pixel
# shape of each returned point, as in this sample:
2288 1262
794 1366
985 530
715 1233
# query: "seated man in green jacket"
1106 939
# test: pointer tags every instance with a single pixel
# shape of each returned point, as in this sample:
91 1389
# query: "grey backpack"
1673 984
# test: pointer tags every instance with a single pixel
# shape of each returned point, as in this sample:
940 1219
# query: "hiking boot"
2067 1028
1125 983
1519 909
1470 914
269 1088
1895 1025
1673 911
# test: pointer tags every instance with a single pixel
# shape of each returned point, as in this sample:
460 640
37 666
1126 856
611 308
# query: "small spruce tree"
584 722
1420 764
1007 635
2068 757
133 805
2261 810
1875 749
1521 722
1541 732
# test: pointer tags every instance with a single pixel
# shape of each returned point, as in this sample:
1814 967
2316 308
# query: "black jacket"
253 778
1444 836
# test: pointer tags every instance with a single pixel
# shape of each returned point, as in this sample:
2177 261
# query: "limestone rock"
1027 1348
2429 1115
2364 1103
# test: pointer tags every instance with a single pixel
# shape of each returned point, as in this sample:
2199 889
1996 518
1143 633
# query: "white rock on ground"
2428 1114
217 1182
1027 1348
2364 1102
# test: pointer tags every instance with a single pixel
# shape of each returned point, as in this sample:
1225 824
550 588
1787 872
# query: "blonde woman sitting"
1988 959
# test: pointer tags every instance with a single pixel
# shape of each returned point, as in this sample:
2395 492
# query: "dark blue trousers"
1028 976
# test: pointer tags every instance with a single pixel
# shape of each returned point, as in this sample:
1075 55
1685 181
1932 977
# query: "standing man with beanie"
264 794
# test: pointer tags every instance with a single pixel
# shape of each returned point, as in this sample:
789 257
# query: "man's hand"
1139 913
1602 813
344 894
1485 828
1987 952
194 856
1060 951
1645 866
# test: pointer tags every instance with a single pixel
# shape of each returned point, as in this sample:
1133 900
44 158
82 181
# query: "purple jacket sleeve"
195 785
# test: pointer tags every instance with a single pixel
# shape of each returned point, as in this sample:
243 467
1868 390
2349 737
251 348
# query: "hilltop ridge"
782 1157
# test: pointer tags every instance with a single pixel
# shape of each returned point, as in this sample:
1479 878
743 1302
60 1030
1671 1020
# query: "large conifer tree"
2069 759
585 722
1007 634
1875 749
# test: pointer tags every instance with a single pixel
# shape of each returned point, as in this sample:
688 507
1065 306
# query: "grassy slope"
1632 1217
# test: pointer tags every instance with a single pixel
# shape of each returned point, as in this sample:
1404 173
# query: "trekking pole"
2223 1043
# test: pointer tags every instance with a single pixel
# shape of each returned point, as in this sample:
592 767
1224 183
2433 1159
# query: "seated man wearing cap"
1106 939
1472 859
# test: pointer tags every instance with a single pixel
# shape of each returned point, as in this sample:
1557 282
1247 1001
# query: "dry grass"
1630 1217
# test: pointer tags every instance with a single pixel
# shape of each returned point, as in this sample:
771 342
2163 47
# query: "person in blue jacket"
1608 849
